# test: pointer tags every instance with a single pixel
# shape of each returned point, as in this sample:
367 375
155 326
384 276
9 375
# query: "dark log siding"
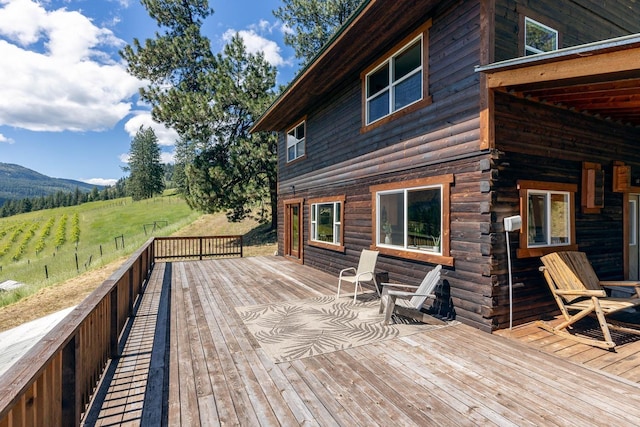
578 21
442 138
542 143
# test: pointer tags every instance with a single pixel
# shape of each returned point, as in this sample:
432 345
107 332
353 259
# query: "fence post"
200 248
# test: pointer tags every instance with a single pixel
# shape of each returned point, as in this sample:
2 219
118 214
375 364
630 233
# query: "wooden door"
293 229
634 236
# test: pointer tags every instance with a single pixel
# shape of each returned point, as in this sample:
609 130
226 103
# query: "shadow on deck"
190 360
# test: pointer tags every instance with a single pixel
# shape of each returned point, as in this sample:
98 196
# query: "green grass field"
41 248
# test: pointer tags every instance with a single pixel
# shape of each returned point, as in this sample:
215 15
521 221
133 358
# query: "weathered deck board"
218 373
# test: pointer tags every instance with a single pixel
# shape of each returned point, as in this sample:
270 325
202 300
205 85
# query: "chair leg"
391 305
355 290
383 300
339 283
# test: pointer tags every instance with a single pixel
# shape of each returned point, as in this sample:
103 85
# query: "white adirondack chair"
392 298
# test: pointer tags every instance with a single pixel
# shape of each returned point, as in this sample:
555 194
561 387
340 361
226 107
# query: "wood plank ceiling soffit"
604 84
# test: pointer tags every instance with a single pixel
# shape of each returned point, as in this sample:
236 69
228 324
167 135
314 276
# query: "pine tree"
211 101
146 173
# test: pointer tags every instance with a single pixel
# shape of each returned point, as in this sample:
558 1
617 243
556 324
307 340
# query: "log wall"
577 21
442 138
542 143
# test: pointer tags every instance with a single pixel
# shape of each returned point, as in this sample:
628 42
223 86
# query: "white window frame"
380 240
633 223
530 50
337 225
548 226
525 187
293 141
391 84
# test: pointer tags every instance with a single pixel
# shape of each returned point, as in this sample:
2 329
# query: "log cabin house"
423 124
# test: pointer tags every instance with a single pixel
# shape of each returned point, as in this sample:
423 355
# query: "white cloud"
166 137
57 73
255 43
105 182
167 158
124 157
5 139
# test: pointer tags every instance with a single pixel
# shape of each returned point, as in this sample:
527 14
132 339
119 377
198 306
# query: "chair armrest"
581 292
399 285
408 294
630 283
347 269
366 272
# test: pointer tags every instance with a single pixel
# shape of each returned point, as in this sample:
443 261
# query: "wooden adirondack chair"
393 298
576 288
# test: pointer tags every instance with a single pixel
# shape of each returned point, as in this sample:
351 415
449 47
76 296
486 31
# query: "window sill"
397 114
538 252
329 246
296 160
432 258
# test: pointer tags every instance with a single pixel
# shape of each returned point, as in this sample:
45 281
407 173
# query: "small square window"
538 37
548 218
326 228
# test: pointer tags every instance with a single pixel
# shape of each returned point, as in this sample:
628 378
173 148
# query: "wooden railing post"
70 384
132 295
114 331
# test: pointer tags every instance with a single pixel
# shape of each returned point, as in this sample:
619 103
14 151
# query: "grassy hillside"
49 246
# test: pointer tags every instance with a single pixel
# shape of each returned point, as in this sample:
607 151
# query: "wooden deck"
189 360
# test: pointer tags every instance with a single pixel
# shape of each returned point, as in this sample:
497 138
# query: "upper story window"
326 217
396 84
548 218
412 219
296 141
538 37
398 81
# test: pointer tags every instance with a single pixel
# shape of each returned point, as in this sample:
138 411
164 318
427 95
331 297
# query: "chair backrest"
571 271
367 264
427 287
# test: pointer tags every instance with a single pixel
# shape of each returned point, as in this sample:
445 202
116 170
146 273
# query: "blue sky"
68 108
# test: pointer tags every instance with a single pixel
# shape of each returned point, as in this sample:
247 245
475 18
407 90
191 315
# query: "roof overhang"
601 79
372 29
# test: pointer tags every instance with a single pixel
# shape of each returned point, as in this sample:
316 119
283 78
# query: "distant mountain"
17 182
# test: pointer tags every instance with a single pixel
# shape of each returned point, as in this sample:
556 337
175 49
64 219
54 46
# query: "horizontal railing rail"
53 383
200 247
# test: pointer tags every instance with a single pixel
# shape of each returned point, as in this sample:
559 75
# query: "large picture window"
412 218
296 141
326 217
398 81
548 219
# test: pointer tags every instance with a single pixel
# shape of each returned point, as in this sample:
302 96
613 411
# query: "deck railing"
197 247
53 383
